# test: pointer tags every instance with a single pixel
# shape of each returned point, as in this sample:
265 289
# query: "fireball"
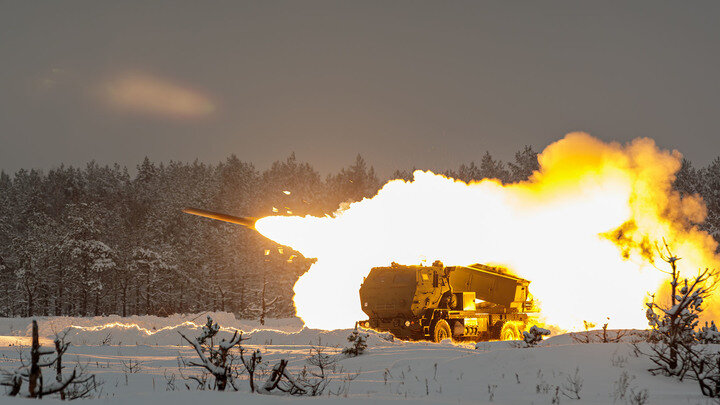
583 229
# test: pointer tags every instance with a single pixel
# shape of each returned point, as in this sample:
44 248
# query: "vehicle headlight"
407 323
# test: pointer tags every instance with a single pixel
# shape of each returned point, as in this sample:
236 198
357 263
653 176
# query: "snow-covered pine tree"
358 343
710 191
493 169
526 162
489 168
265 303
33 254
688 179
290 185
406 175
352 184
151 270
6 237
466 172
96 261
86 264
709 334
672 325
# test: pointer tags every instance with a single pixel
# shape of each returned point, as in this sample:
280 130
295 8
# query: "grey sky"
404 83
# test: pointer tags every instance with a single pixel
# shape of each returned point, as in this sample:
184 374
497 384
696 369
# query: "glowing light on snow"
149 332
582 229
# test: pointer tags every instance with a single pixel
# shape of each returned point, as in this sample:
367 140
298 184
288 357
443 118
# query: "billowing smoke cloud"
583 229
147 94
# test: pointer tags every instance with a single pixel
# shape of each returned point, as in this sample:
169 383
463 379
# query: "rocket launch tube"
248 222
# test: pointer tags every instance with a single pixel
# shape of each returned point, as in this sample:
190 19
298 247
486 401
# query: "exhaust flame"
583 229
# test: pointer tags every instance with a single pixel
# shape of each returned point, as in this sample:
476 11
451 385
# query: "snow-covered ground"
389 372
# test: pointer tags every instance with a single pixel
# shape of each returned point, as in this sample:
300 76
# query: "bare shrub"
491 392
251 364
314 379
573 385
281 380
608 338
131 366
639 397
586 337
618 361
621 386
169 381
76 385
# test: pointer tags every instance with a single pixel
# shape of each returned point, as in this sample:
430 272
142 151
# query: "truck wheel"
441 331
510 331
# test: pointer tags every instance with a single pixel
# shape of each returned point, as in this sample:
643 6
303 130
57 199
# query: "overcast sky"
404 83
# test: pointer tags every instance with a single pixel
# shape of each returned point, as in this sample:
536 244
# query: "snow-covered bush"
705 368
214 359
534 335
704 361
358 343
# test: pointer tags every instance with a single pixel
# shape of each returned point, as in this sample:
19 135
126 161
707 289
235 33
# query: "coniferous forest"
97 240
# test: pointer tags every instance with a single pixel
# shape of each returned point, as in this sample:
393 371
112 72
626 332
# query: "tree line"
97 240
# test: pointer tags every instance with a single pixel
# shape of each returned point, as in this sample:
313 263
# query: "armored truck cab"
475 302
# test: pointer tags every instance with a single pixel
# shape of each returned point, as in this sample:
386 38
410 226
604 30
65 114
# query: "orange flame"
582 229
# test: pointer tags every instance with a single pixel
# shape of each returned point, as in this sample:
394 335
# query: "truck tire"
441 331
510 331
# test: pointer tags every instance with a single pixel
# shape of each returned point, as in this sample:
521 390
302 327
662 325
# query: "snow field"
390 371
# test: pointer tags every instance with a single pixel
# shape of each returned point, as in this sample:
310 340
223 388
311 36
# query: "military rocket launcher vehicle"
475 302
